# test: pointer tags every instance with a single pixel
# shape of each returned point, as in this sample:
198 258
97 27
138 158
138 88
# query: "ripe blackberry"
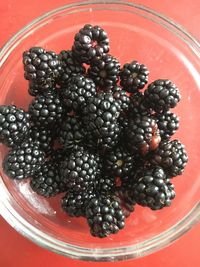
41 66
75 203
23 161
100 119
153 190
47 181
137 106
119 162
77 92
14 125
69 67
106 183
168 123
122 98
90 42
104 216
172 156
71 132
133 76
104 71
142 134
79 170
161 95
44 137
45 110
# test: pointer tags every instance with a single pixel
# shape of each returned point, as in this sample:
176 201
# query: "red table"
15 250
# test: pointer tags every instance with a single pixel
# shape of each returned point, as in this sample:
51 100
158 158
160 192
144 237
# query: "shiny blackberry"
76 93
104 216
142 134
100 119
23 161
14 125
90 42
133 76
153 190
47 181
41 66
137 106
79 170
161 95
69 67
119 162
122 98
44 138
45 110
104 71
75 203
168 124
71 132
171 156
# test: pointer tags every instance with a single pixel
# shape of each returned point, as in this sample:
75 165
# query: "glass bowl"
135 32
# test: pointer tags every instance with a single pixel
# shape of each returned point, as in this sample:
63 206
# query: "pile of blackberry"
94 133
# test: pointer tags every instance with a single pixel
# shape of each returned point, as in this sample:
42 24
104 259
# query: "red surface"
18 251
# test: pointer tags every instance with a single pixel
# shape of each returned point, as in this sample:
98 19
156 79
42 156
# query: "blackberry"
104 216
122 98
119 162
172 156
23 161
104 71
44 137
75 203
137 106
77 92
90 42
133 76
47 181
100 119
142 134
71 132
41 66
46 109
14 125
161 95
168 123
153 190
106 183
70 67
79 170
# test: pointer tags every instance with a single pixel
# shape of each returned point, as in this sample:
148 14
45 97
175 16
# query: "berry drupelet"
121 97
161 95
14 125
104 71
75 203
76 93
168 123
172 156
119 162
23 161
41 67
47 181
46 109
90 42
142 134
71 132
104 216
69 67
133 76
100 119
153 190
79 170
137 106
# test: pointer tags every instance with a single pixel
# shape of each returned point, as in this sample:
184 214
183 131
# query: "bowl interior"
133 36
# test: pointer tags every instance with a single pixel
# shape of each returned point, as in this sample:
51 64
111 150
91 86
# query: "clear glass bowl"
136 32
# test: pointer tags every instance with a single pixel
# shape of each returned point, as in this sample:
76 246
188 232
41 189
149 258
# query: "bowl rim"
98 254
